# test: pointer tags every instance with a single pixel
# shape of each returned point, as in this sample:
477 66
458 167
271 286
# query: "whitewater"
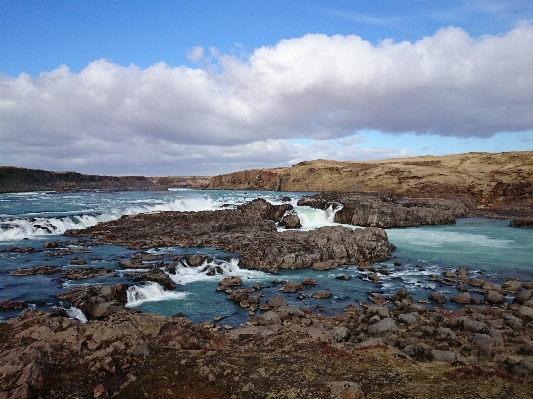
487 247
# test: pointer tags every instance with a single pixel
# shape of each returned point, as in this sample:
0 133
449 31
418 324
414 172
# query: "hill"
485 179
14 179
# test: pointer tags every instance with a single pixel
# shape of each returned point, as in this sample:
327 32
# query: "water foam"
311 218
75 313
214 271
151 292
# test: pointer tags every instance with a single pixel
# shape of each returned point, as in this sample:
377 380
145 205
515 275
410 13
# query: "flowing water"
489 249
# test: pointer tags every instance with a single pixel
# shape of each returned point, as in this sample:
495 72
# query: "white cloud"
196 54
246 110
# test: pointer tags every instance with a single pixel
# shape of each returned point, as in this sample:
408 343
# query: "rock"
523 296
494 298
288 312
269 318
402 294
290 221
276 301
308 281
408 319
343 278
157 276
292 287
238 295
99 391
261 208
380 311
418 352
463 298
231 281
195 260
36 270
322 295
374 277
522 222
11 305
437 296
384 326
485 346
340 334
444 356
525 313
512 286
98 300
51 245
397 262
346 390
78 262
90 272
445 334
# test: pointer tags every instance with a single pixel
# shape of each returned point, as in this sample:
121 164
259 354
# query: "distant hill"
14 179
485 179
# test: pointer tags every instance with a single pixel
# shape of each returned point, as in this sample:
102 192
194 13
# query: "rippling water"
487 247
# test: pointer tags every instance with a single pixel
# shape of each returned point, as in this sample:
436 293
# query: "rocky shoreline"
389 347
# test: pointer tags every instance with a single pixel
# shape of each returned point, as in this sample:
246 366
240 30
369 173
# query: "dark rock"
231 281
157 276
11 305
308 281
261 208
36 270
463 298
78 262
343 278
524 222
97 301
290 221
494 298
397 262
402 294
437 296
78 274
322 295
277 301
292 287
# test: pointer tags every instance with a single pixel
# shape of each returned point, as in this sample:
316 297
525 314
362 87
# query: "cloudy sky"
208 87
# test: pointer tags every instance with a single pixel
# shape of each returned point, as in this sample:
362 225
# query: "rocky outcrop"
97 301
261 208
384 211
524 222
257 239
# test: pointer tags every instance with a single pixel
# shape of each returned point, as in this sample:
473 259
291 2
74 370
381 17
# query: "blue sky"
209 87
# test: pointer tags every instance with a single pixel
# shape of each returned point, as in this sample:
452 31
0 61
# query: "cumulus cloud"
234 110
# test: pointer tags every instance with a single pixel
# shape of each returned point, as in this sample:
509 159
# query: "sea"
487 247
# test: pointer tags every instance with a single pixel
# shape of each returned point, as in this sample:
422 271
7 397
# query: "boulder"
290 221
276 301
231 281
463 298
308 281
385 326
291 287
494 297
437 296
402 294
525 313
523 296
346 390
322 295
269 318
157 276
288 312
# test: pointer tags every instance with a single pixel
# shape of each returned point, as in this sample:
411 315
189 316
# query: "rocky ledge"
249 232
386 211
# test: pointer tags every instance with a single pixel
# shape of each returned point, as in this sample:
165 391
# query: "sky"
175 87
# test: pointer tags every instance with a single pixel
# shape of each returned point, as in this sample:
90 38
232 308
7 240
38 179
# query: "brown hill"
487 179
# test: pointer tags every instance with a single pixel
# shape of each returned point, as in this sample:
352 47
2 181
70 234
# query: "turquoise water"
487 247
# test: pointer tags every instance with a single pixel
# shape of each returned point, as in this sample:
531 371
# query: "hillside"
486 179
14 179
